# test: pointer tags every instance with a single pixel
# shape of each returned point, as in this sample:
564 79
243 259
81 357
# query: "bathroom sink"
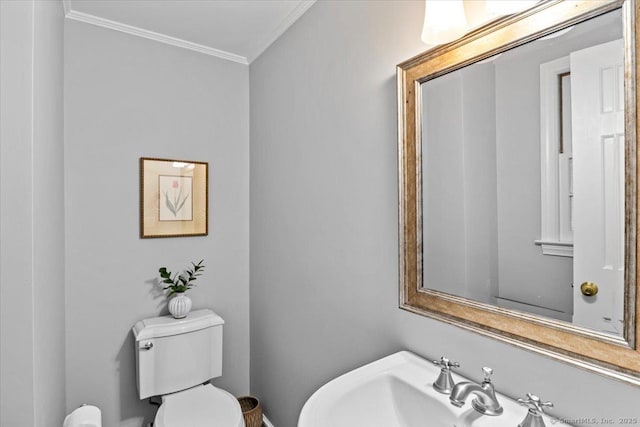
397 391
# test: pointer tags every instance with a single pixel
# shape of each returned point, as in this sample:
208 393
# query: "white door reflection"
598 221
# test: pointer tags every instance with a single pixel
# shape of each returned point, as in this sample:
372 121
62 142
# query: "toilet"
175 359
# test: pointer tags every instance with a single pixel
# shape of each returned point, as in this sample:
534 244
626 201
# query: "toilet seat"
201 406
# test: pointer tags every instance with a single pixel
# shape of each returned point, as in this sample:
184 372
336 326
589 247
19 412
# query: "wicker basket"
251 411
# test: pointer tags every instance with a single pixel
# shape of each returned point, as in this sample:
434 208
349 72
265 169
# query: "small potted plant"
177 285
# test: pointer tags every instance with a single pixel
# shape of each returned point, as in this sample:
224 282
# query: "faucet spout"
461 392
485 402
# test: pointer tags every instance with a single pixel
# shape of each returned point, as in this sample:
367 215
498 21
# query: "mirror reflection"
523 177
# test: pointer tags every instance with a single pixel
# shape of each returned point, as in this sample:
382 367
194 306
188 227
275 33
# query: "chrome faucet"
444 384
486 402
536 408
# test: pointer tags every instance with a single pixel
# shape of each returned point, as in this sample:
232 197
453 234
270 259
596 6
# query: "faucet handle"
444 383
445 363
534 404
487 374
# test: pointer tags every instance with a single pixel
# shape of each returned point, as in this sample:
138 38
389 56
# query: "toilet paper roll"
84 416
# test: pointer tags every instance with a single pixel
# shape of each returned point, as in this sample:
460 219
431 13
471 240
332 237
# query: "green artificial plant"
181 282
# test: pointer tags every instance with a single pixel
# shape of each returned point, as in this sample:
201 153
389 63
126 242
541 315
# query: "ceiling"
236 30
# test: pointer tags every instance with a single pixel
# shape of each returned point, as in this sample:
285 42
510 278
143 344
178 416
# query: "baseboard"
266 422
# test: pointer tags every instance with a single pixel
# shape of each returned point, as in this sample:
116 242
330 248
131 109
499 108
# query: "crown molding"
162 38
292 17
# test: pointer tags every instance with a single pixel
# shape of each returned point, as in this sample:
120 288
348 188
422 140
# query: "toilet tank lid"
164 326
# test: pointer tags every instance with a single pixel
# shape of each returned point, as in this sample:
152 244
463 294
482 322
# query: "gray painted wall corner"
125 98
324 272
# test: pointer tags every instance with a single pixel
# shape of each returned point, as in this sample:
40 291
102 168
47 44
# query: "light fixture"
444 21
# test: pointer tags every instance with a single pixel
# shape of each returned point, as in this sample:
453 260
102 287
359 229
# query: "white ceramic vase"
179 305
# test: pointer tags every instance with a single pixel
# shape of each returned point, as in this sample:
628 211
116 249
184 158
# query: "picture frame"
174 198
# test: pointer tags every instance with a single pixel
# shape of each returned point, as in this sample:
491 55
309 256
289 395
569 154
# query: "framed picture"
174 198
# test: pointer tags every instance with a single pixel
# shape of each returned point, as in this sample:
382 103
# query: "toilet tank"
177 354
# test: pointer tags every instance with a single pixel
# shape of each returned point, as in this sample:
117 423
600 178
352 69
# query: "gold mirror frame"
616 357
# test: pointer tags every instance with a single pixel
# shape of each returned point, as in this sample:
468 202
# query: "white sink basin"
397 391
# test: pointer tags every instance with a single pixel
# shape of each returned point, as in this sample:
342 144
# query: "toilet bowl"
204 405
175 359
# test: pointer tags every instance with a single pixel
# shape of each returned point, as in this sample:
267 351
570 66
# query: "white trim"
550 165
162 38
555 248
292 17
266 422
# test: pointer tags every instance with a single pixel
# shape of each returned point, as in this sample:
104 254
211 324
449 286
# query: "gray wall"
127 97
459 183
324 272
444 184
32 390
48 209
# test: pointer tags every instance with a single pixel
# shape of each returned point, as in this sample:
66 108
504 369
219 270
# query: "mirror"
518 183
490 131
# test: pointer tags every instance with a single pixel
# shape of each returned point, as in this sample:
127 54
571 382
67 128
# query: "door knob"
589 289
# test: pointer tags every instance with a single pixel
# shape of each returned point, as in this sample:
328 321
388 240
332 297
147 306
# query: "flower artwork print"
175 201
174 198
